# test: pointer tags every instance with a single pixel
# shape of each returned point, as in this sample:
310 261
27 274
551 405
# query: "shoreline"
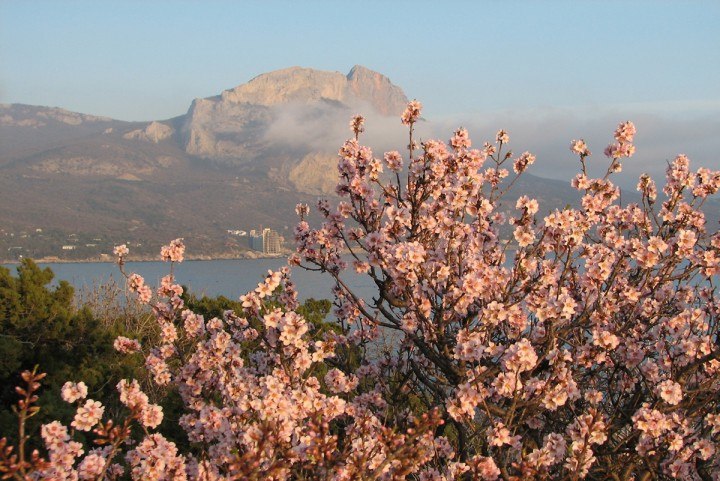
107 259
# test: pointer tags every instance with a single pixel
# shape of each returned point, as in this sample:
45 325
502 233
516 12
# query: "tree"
584 346
40 326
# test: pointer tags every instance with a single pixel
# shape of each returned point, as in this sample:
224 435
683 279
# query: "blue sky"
137 60
515 60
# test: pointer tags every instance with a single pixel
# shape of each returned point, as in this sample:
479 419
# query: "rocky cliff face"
306 85
316 174
377 90
230 126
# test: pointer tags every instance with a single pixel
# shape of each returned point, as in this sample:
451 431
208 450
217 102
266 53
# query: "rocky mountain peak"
231 126
294 84
357 70
306 85
377 89
155 132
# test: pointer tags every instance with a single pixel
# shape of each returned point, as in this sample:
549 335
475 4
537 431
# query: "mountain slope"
90 182
234 161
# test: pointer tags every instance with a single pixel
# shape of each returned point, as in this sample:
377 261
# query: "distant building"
272 241
267 241
256 241
69 248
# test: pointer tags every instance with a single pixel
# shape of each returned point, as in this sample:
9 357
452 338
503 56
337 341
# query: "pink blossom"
520 357
194 324
705 448
461 139
152 416
625 132
412 112
121 251
523 162
91 466
356 124
670 392
72 392
486 468
500 435
534 340
393 160
131 395
54 434
156 459
502 137
88 415
580 148
174 251
136 284
125 345
337 381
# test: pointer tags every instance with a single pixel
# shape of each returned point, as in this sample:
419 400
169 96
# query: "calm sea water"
230 278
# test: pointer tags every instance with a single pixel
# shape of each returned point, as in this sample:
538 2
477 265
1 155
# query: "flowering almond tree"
256 406
584 345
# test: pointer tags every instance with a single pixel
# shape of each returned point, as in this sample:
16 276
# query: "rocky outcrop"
231 126
155 132
89 167
223 130
316 174
70 118
9 121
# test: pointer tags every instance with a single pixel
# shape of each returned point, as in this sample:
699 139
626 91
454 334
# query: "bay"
227 277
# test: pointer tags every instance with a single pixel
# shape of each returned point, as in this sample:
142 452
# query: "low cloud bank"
662 134
664 130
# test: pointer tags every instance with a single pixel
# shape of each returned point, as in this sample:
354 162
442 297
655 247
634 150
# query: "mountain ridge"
69 179
234 161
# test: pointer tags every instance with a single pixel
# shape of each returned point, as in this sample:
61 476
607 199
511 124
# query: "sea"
227 277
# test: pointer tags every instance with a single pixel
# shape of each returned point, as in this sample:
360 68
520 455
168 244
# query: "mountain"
88 182
72 185
232 126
